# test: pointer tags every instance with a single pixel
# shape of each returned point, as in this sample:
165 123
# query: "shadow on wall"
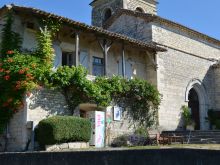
199 97
45 103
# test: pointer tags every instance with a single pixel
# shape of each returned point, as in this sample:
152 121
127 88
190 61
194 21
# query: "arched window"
139 9
107 14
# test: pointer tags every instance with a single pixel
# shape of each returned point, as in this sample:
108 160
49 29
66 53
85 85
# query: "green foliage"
44 47
187 116
20 72
138 97
52 25
120 141
77 88
63 129
10 39
141 131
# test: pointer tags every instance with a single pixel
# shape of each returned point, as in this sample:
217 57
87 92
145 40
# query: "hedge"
63 129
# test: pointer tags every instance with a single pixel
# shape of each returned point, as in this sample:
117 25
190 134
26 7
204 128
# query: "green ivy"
139 99
10 39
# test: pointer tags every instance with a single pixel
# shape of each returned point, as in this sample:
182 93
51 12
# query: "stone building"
126 38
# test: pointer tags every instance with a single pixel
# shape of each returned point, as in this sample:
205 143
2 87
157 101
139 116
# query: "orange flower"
1 70
28 75
26 69
10 52
18 86
10 100
18 82
7 71
10 60
21 71
7 77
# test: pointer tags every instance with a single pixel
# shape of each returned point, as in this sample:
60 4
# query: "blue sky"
201 15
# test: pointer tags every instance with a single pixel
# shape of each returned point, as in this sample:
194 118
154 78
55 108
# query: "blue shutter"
84 61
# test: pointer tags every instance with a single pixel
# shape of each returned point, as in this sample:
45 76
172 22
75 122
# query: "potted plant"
212 119
187 116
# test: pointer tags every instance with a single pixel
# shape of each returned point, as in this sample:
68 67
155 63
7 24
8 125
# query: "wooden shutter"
84 59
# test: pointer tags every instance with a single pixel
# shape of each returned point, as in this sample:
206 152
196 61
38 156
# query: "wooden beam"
123 60
105 45
76 49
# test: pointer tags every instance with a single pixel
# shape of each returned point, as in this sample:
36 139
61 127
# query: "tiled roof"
163 21
84 27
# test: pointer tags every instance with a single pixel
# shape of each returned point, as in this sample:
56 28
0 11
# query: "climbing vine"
138 98
22 72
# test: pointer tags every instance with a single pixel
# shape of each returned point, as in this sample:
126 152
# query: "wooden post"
77 49
105 45
123 60
105 57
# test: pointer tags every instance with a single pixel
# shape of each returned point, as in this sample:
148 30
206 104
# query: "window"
138 9
98 66
30 25
108 14
67 59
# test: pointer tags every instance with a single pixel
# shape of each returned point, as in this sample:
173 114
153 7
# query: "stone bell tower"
104 9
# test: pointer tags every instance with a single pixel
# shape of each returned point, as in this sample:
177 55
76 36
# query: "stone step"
197 137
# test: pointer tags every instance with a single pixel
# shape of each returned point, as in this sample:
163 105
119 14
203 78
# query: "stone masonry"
189 60
100 6
187 64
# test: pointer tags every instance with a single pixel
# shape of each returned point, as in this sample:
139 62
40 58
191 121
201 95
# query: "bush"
120 141
63 129
131 140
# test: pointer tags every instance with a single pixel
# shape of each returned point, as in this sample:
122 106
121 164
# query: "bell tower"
102 10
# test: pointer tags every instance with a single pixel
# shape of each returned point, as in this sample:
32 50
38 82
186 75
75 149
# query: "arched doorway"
193 104
198 100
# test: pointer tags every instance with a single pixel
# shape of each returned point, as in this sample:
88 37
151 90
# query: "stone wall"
149 6
40 105
44 103
99 9
216 70
175 71
183 42
138 28
17 133
188 60
115 157
185 62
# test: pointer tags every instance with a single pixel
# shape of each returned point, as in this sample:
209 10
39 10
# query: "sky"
200 15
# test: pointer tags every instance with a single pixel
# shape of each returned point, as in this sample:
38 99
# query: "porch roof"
84 27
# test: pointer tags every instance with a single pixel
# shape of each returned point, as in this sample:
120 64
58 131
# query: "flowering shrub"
20 72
